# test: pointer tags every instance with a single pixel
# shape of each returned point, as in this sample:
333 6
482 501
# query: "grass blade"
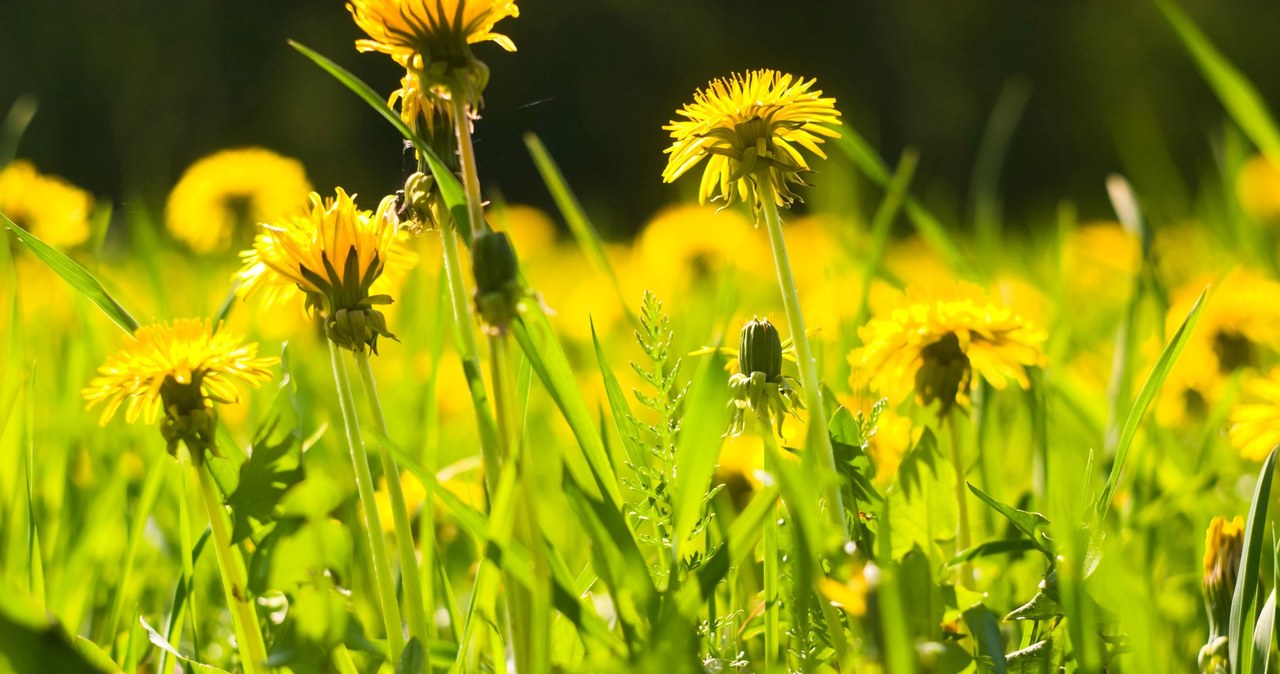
1155 380
79 277
1246 593
1238 95
586 234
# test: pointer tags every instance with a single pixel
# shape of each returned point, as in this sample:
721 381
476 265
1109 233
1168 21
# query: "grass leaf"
1246 592
79 277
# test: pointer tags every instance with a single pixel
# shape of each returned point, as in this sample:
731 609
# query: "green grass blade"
77 276
618 407
984 194
585 233
448 183
705 419
1264 634
882 227
1238 95
1150 388
1245 597
15 126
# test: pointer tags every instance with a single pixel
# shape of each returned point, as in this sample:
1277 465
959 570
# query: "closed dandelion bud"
420 197
761 349
497 275
1224 544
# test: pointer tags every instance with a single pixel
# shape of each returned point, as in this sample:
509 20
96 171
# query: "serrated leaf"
1024 521
79 277
270 471
1041 607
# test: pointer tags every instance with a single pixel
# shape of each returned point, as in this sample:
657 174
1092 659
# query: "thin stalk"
467 161
253 652
372 523
469 350
817 440
409 573
962 503
772 617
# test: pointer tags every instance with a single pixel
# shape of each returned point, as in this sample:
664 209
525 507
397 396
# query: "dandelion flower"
746 122
230 191
179 369
334 253
936 338
49 207
1255 420
1258 188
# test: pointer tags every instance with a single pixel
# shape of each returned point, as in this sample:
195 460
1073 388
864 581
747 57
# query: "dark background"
132 91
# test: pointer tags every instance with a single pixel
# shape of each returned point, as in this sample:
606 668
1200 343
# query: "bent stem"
817 439
962 504
409 572
253 652
372 523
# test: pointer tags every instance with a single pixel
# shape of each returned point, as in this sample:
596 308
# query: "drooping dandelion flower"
433 37
1255 420
936 338
49 207
228 192
1239 326
334 253
747 121
176 372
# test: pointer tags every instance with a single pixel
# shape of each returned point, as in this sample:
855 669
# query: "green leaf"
585 233
271 470
413 660
618 407
1024 521
447 182
1245 597
164 645
990 548
705 419
1264 634
1237 94
1155 380
985 628
79 277
1041 607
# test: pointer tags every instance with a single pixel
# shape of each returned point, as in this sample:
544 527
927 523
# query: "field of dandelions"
279 427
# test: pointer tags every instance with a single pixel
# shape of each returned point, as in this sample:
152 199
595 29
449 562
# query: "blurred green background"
132 91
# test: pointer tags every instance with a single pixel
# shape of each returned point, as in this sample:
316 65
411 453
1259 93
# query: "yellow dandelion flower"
47 206
1255 420
1238 328
1258 187
334 253
936 338
433 37
1223 546
228 192
685 247
760 119
179 369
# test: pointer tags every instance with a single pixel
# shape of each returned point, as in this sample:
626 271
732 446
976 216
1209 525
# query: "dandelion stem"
253 652
467 160
817 439
772 617
409 572
372 523
962 504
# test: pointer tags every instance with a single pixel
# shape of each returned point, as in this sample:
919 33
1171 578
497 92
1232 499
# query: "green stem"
468 351
372 523
467 161
253 652
817 440
409 572
772 617
962 504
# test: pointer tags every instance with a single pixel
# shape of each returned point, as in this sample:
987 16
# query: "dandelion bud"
497 275
1224 544
420 197
761 349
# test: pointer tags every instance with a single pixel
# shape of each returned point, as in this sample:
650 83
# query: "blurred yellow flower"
687 246
893 437
936 338
47 206
228 192
419 33
334 253
1099 262
414 495
742 122
1239 326
178 368
1258 188
1255 420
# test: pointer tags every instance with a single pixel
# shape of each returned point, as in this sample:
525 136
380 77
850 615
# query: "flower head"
49 207
228 192
334 253
1223 545
433 37
936 338
1255 420
179 369
747 122
759 387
